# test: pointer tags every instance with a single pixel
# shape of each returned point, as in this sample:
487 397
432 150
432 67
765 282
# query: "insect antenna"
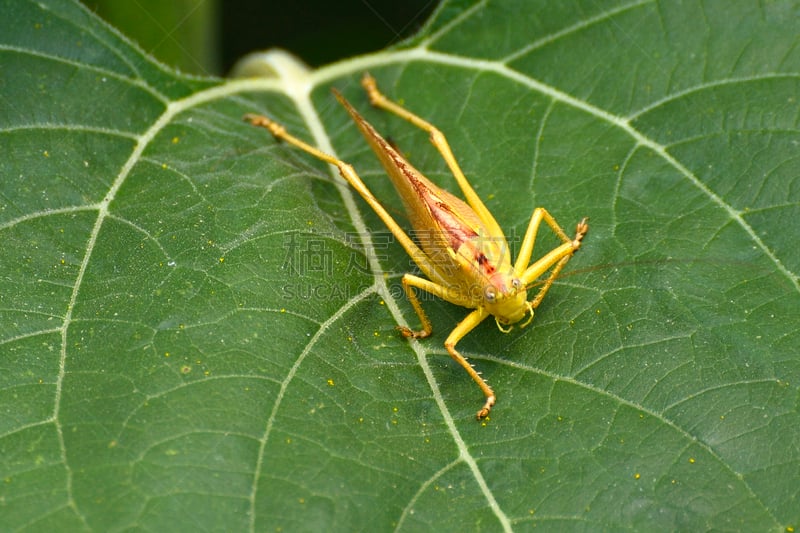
642 262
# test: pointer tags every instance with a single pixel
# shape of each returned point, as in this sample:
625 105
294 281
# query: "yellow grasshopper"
462 250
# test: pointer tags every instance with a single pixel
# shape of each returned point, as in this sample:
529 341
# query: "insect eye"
516 284
490 295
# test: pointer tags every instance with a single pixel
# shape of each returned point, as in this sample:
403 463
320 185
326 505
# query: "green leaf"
198 323
181 33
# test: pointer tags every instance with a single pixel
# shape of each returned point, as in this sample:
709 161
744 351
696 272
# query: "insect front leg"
555 259
529 240
465 326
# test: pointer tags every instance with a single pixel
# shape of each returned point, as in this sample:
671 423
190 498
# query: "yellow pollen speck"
46 153
176 140
691 460
221 259
637 475
330 382
166 354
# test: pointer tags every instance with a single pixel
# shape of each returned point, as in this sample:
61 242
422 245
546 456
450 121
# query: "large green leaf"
198 322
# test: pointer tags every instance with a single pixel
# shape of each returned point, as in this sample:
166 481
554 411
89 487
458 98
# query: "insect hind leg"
439 141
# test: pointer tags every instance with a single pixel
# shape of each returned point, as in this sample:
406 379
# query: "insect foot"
412 334
484 412
580 232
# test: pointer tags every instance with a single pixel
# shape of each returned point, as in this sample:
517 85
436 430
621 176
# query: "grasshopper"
464 255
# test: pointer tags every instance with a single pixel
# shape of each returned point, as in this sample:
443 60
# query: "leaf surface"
198 323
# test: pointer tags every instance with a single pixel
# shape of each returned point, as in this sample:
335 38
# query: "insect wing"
455 239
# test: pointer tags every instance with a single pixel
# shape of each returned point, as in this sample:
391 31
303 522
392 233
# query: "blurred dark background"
208 36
